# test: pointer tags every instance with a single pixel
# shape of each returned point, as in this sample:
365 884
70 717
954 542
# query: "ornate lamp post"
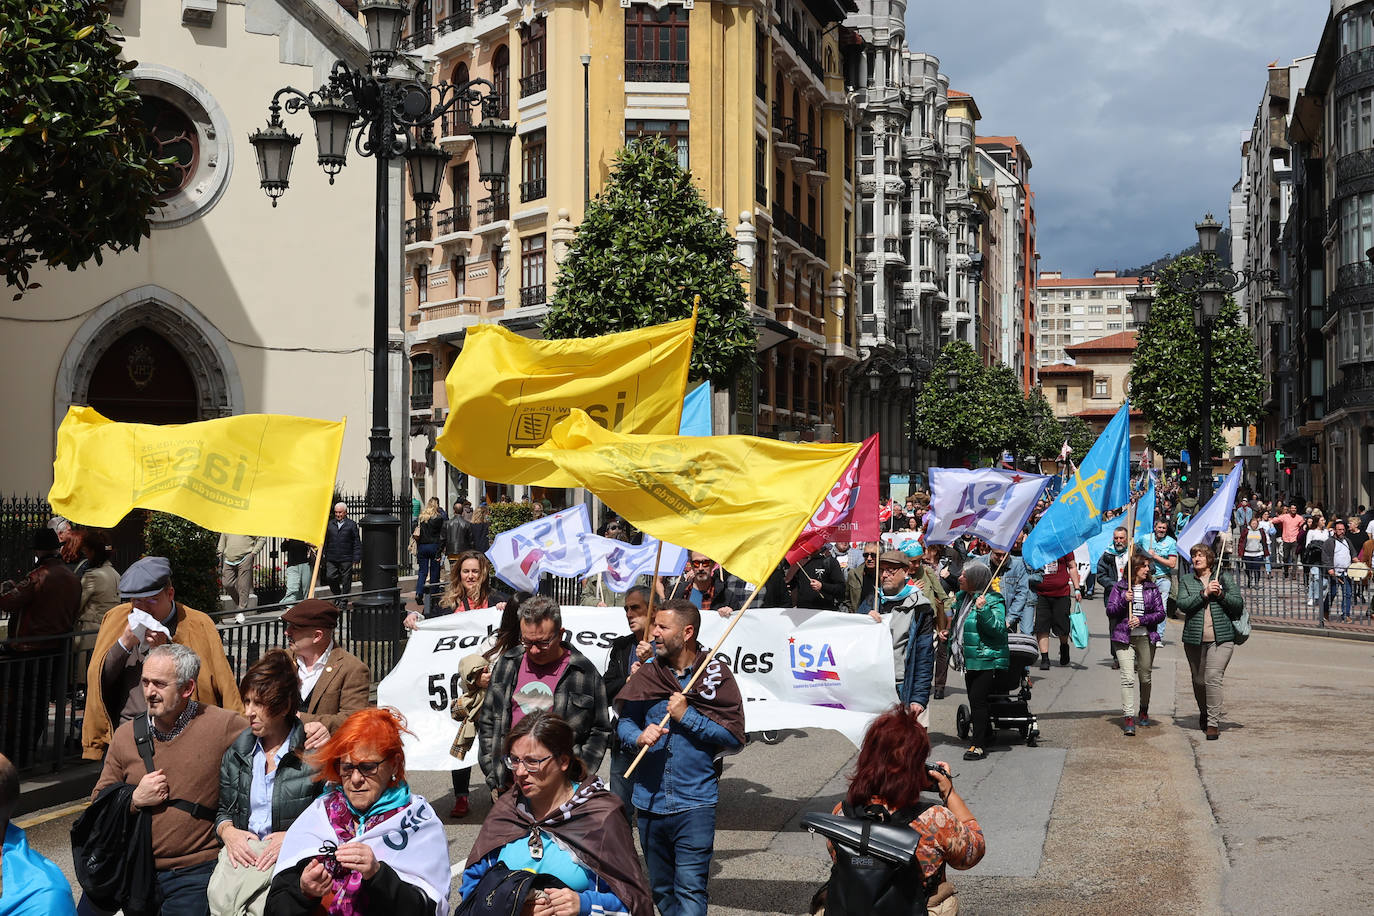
1208 286
387 118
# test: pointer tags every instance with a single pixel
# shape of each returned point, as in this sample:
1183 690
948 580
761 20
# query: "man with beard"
705 585
862 581
676 783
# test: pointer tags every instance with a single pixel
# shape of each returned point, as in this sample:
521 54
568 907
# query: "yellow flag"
256 474
740 500
505 392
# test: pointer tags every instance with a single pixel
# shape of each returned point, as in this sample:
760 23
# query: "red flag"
850 512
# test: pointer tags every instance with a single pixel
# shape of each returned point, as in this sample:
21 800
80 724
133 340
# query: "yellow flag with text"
741 500
505 392
256 474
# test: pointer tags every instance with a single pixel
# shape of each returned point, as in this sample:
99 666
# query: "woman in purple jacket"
1134 613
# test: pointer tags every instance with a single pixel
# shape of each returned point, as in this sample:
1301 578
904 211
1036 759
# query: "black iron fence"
1300 593
43 691
19 515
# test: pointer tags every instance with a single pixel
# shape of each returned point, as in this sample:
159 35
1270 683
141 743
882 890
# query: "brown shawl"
715 694
591 823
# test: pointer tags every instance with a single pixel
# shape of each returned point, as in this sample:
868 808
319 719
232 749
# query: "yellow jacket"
216 685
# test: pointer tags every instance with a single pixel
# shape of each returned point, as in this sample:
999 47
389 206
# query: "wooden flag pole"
649 622
696 674
996 572
315 573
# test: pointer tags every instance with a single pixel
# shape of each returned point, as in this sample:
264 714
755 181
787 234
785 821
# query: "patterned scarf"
346 894
190 712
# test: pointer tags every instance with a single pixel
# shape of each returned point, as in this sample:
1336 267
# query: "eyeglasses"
529 764
539 643
870 556
368 768
701 564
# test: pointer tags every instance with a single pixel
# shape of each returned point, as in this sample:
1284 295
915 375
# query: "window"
1113 325
498 267
1357 227
1101 386
1094 310
655 44
462 196
1357 31
500 78
532 270
171 135
761 59
458 266
421 280
761 171
1061 394
421 381
532 58
533 151
1354 114
674 132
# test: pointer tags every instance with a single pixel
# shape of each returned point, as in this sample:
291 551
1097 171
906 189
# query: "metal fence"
1297 593
43 693
19 515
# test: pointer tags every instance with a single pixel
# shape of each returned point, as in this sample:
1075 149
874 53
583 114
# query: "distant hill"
1223 249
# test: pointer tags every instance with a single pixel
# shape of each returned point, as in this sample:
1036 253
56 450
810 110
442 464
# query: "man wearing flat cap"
151 617
43 603
334 682
910 617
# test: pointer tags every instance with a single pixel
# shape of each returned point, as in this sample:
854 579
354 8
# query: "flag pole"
997 571
319 549
649 623
696 674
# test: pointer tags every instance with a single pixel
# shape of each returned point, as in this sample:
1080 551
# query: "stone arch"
219 390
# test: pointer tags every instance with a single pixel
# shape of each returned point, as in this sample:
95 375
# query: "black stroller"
1011 693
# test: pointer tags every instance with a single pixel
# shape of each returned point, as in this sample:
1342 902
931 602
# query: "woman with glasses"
368 844
264 785
562 824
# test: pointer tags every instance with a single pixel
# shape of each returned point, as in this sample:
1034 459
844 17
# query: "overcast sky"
1132 110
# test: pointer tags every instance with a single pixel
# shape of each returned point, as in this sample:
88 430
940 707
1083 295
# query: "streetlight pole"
1207 287
394 118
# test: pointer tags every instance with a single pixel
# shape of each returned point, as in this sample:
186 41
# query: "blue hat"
913 549
145 578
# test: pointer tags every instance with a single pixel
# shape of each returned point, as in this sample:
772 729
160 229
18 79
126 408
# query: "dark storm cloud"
1132 112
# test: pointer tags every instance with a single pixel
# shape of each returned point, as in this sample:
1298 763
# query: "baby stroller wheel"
1032 734
961 722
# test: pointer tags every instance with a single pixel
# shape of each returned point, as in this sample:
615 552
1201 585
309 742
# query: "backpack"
864 884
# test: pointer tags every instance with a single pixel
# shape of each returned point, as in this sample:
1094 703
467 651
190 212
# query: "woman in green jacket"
978 647
1210 602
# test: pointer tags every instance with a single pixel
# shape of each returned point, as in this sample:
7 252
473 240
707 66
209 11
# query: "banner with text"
796 669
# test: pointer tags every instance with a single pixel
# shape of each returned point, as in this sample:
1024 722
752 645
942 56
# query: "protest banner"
849 514
514 389
796 669
988 503
254 474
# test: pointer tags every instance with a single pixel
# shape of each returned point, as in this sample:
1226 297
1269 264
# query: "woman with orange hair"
368 844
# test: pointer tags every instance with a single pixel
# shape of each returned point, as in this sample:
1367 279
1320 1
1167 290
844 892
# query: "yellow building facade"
751 94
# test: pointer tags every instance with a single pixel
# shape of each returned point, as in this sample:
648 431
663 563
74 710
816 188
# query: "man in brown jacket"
182 791
334 682
120 648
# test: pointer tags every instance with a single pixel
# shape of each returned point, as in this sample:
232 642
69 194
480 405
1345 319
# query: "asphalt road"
1272 818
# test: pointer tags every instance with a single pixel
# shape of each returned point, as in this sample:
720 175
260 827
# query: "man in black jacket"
628 652
343 547
457 534
817 582
706 585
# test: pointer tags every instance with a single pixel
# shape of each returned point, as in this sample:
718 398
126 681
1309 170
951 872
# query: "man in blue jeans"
676 783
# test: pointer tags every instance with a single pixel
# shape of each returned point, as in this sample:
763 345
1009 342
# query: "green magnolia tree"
77 177
1047 434
1005 416
1079 435
953 420
1166 374
648 246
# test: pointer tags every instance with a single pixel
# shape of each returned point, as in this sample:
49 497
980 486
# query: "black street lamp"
393 118
1208 286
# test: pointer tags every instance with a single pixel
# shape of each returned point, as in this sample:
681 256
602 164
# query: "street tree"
77 178
1079 435
953 420
1006 421
1047 434
649 245
1166 372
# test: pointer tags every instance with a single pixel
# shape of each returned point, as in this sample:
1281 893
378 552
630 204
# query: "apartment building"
1010 275
753 97
1073 310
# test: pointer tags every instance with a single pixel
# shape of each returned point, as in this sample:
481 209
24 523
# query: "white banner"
988 503
796 669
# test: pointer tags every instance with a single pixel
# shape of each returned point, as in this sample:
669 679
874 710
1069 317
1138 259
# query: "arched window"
457 121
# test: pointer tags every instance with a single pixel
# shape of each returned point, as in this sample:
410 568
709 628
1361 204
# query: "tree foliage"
1166 375
1047 433
193 553
76 175
649 244
952 420
1079 436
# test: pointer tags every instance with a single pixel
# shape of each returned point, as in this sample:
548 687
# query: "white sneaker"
1309 602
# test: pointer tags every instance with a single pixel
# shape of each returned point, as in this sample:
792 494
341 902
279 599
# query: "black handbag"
112 853
502 892
875 872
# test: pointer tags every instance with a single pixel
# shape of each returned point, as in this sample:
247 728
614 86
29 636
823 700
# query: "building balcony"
1351 68
1356 166
494 209
532 190
533 295
488 7
457 218
1355 390
656 71
422 400
785 143
535 82
1354 285
802 51
456 123
460 18
419 229
418 39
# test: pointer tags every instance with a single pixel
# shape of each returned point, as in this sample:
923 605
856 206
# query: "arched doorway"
142 378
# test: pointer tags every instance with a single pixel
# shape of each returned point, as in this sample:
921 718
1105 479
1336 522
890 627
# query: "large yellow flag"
505 392
740 500
256 474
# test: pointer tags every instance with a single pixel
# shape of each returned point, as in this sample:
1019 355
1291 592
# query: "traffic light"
1279 456
1183 476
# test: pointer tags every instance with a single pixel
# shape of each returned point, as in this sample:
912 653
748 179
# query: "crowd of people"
285 790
